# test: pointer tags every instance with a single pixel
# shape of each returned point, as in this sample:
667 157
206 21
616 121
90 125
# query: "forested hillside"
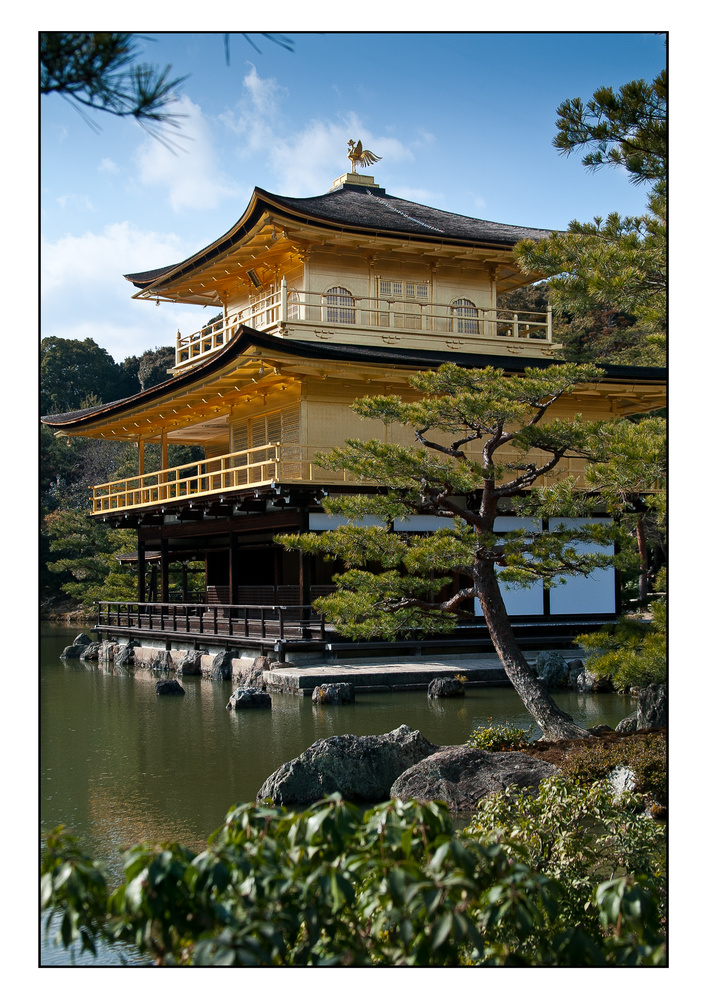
77 553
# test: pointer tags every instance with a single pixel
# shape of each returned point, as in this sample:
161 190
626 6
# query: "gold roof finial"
357 154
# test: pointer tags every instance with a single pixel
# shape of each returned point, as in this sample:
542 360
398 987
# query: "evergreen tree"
85 564
504 419
613 267
78 373
96 70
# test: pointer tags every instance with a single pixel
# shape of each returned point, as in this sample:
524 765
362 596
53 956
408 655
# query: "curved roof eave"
317 210
245 337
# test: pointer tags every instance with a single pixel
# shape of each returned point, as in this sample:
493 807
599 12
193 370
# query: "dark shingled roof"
245 337
373 209
357 208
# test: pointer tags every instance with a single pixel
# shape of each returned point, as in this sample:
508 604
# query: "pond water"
119 765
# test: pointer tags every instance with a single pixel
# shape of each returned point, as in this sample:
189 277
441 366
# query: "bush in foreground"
337 886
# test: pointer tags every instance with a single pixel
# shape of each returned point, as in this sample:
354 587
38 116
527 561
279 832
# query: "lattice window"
268 428
340 306
391 288
464 317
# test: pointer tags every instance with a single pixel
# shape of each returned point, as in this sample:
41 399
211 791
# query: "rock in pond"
461 776
249 697
169 687
222 667
551 668
188 662
652 711
445 687
333 694
361 768
82 639
72 652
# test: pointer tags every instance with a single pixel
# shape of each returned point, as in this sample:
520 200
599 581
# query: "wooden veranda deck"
279 629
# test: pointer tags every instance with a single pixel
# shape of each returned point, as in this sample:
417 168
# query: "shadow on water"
119 765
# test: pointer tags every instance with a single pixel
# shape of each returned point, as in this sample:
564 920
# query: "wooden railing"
295 309
240 621
252 467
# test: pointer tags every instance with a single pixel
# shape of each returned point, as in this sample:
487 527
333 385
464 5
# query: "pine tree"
482 441
613 267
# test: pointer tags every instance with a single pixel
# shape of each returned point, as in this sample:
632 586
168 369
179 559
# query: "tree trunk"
555 724
643 581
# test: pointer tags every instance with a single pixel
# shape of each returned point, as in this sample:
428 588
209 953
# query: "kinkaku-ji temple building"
322 300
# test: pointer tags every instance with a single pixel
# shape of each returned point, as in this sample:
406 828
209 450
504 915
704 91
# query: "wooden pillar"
164 463
141 457
305 566
141 571
164 570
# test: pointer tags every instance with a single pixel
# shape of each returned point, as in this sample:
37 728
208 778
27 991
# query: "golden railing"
250 467
294 308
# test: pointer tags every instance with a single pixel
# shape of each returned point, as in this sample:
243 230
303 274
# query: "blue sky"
462 121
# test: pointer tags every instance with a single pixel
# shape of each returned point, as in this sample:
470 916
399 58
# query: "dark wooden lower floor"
283 629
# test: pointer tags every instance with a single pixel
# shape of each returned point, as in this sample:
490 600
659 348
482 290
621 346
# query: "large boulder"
249 697
188 662
652 711
333 694
445 687
361 768
91 651
222 666
82 639
461 776
590 683
629 724
72 652
250 673
551 668
169 687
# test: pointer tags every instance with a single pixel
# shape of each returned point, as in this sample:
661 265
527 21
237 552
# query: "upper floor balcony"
270 465
401 316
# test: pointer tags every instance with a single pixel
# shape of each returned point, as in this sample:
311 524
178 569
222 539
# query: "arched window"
340 306
293 304
464 316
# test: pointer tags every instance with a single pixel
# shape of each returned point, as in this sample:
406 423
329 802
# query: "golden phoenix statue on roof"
357 154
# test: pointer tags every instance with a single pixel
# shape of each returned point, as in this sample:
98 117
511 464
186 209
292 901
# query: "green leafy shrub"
632 652
334 885
502 736
581 836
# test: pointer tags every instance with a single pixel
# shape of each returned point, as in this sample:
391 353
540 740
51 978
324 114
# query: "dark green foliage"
609 277
337 886
72 371
528 299
501 736
633 652
598 846
83 561
627 129
402 595
95 69
154 367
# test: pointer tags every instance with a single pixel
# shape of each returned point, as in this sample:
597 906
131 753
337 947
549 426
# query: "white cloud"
108 166
84 293
306 161
189 175
75 202
92 259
